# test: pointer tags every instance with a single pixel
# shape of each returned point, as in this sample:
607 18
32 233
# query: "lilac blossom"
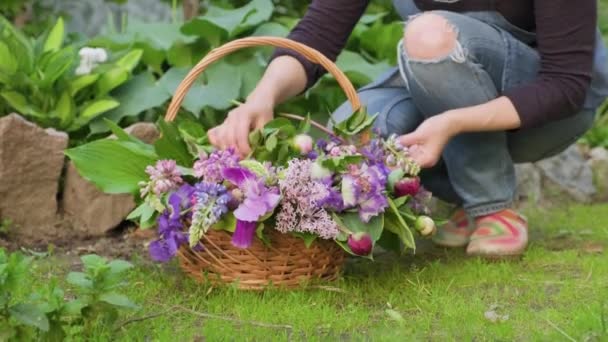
363 188
164 177
210 203
258 201
301 207
209 168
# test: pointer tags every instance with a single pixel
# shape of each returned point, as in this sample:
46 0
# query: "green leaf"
395 176
119 266
227 223
381 39
171 145
93 110
114 166
389 240
360 70
19 103
223 85
29 314
160 36
56 65
117 300
397 225
55 38
307 237
74 307
251 72
352 222
82 82
65 109
180 55
271 29
271 142
79 279
9 63
254 166
232 21
111 79
129 61
139 94
395 316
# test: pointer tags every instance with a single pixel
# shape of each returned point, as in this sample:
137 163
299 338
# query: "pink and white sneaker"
499 235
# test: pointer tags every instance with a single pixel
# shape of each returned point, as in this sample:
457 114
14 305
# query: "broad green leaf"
395 176
381 40
117 300
372 18
232 21
211 33
271 29
119 266
55 38
82 82
93 261
222 86
227 223
389 240
74 307
360 70
129 61
180 55
29 314
395 316
251 72
139 94
79 279
65 109
114 166
19 45
9 64
171 145
161 36
111 79
92 111
271 142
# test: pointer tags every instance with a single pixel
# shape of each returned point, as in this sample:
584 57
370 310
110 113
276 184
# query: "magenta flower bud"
425 225
408 186
303 143
360 243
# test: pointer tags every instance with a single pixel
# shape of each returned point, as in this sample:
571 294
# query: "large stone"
570 173
528 183
31 161
599 165
92 211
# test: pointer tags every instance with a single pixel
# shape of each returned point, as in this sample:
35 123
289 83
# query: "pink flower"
360 243
164 177
303 143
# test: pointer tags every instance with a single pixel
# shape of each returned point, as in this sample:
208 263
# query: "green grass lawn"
558 291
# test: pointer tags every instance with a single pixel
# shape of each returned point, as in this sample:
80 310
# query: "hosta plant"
55 84
353 187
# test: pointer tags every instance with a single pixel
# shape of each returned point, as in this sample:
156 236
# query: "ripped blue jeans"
477 169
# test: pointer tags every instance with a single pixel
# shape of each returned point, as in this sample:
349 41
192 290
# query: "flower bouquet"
284 214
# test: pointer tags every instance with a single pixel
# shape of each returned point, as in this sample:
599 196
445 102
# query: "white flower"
89 58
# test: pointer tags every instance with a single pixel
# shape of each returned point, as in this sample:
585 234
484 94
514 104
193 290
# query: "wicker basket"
286 263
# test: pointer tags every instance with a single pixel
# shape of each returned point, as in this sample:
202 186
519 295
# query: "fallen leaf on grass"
593 248
394 315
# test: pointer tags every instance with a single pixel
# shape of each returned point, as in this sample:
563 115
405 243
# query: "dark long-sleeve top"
565 31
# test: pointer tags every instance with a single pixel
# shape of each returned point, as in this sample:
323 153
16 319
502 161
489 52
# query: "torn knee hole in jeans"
429 33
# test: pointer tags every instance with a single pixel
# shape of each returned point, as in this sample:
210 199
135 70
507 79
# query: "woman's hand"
427 142
234 131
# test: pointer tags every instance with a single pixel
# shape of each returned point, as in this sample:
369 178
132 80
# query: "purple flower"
171 237
210 203
259 200
209 168
421 202
360 243
181 200
302 209
164 177
243 234
374 151
363 187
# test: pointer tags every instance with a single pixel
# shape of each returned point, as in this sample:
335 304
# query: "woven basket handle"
224 50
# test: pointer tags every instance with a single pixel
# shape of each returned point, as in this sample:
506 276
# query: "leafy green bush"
171 49
38 79
48 315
